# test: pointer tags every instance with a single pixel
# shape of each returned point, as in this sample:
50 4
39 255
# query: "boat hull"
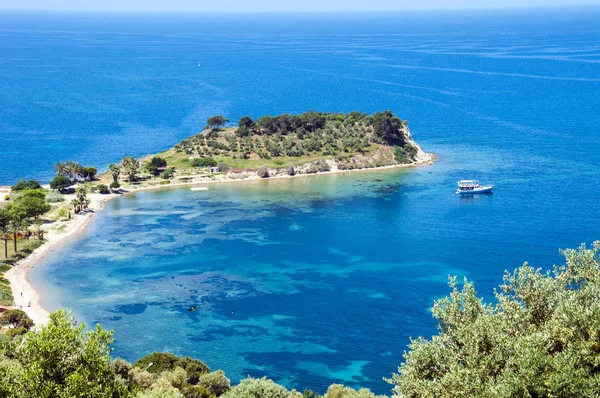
475 191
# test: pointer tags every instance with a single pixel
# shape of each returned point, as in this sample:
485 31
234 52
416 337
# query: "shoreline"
27 298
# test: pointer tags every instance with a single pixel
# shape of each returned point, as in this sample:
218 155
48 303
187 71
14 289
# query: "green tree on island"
18 220
216 122
89 173
60 168
23 185
155 163
60 183
130 166
115 172
32 206
5 220
73 169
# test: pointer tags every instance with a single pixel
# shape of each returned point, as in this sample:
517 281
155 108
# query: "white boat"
471 187
199 189
199 64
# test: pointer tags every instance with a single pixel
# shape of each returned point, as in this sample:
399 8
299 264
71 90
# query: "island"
280 146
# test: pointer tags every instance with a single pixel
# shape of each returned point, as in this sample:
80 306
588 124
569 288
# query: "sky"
276 5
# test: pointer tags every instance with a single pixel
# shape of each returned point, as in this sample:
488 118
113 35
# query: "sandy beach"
28 299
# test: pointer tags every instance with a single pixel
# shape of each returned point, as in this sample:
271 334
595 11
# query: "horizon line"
312 12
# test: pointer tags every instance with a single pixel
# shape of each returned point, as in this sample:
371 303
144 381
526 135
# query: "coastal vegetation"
353 140
539 339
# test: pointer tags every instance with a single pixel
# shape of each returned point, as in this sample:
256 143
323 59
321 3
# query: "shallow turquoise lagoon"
310 280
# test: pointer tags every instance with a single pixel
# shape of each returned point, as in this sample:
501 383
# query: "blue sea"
309 281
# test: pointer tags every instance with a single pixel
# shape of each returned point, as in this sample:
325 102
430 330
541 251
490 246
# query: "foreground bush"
541 339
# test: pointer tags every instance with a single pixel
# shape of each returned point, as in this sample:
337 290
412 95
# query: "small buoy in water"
232 312
192 308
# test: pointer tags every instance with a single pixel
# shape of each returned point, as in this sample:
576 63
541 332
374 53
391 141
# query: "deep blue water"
317 280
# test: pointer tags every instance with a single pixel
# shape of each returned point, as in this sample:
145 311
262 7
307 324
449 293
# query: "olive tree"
540 339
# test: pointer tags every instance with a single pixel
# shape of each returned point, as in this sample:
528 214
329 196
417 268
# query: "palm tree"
4 228
60 168
74 169
18 220
81 194
115 171
131 166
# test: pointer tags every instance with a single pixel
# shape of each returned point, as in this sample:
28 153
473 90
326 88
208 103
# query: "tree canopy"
60 183
26 184
306 134
540 339
217 122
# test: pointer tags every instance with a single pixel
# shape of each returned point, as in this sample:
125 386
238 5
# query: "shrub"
54 197
167 174
538 339
216 382
257 388
204 162
34 193
291 170
7 197
115 185
103 189
162 361
406 154
223 167
263 172
62 213
26 184
154 164
60 183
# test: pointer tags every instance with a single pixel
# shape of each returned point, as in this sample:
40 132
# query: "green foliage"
215 382
115 185
162 361
26 184
89 173
339 391
32 206
263 172
308 134
389 128
130 166
217 122
154 164
103 188
61 360
34 193
114 170
60 183
16 319
406 154
223 167
167 174
204 162
541 339
310 394
258 388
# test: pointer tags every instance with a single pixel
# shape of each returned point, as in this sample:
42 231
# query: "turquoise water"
314 280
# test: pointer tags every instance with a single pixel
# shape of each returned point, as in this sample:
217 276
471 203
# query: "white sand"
27 298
